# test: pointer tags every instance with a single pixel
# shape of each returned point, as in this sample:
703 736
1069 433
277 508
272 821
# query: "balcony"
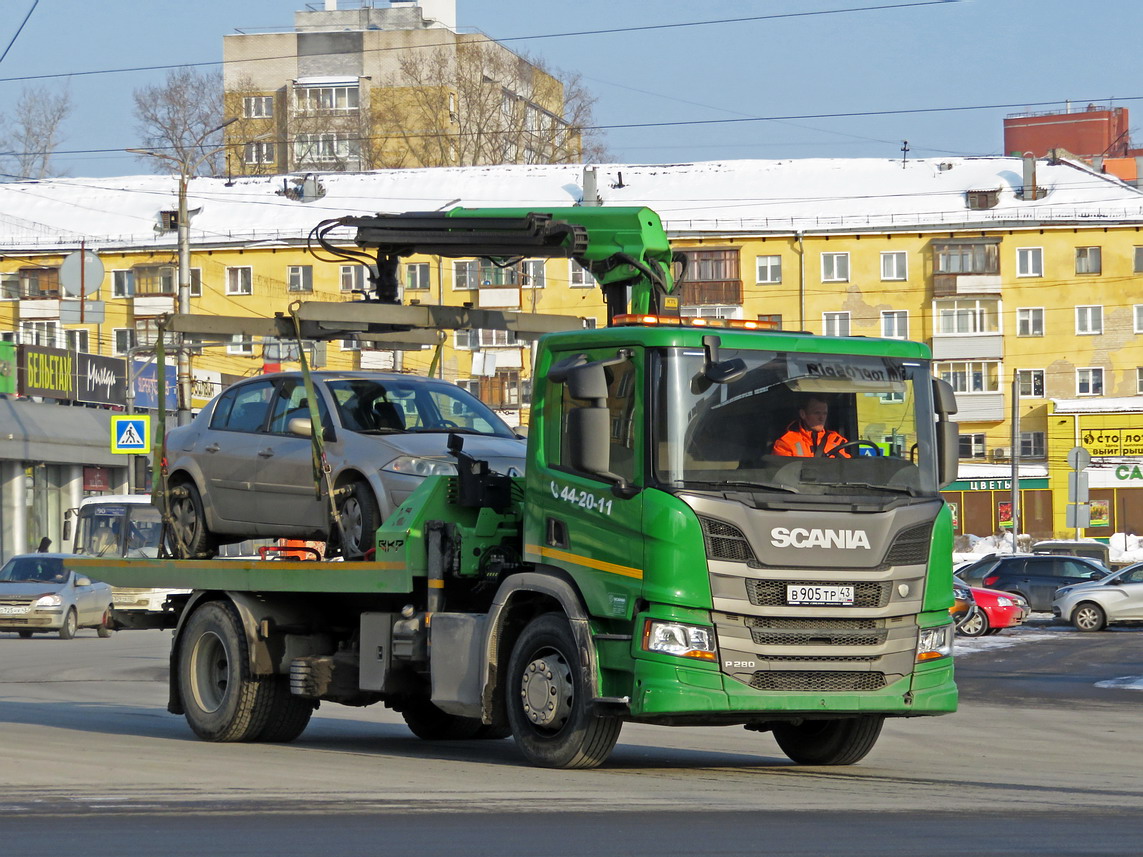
968 346
950 285
711 292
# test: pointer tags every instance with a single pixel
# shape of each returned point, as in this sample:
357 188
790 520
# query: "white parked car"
1092 606
244 469
39 595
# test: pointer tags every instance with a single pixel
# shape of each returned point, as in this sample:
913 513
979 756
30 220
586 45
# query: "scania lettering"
656 563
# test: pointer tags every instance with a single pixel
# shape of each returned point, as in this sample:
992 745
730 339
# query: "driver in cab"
808 436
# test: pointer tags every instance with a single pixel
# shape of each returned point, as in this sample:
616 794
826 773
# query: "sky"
675 81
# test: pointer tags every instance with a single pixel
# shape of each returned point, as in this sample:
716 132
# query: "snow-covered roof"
714 197
1099 405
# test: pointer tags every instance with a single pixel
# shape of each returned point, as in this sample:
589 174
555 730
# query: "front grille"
781 631
772 593
725 541
814 681
911 547
821 659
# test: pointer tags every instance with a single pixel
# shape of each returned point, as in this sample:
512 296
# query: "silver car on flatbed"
243 467
39 595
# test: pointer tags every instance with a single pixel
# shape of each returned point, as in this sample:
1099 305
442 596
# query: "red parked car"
992 612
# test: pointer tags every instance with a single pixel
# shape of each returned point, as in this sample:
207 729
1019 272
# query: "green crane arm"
622 248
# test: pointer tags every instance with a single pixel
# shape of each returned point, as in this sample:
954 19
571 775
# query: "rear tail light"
991 579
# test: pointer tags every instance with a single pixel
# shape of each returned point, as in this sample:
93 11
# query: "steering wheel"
447 424
854 444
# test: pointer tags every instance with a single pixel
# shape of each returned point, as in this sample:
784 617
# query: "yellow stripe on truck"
600 565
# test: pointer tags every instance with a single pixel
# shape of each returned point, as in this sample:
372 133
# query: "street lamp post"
187 166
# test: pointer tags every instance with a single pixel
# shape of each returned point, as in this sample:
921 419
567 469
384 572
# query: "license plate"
819 595
6 610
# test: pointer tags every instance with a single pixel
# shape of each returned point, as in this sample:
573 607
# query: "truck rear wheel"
288 715
222 700
829 742
549 703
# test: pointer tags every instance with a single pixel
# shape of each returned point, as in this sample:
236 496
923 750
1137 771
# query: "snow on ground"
1127 682
1124 548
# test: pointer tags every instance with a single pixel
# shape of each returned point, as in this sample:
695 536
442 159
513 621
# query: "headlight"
411 465
49 601
1062 591
675 638
935 643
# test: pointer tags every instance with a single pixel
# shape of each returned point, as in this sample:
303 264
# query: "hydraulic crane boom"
623 248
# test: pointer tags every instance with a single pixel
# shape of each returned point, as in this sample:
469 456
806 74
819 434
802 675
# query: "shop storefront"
982 506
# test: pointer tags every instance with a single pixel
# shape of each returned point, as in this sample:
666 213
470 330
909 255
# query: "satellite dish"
81 274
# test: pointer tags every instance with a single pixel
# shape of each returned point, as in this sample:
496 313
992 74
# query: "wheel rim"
210 668
973 626
1087 618
546 691
184 520
72 623
351 524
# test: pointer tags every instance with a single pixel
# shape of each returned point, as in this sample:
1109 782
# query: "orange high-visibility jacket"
800 441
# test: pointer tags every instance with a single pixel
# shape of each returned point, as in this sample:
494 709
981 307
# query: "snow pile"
1125 549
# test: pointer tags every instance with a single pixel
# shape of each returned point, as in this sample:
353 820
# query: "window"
239 281
971 376
326 148
1139 381
241 344
1089 382
532 274
1139 318
465 340
9 286
314 98
44 333
1030 262
579 277
196 282
124 339
964 258
1032 444
1089 320
769 269
77 340
417 276
895 324
1089 260
835 323
835 267
353 278
300 278
1031 383
968 315
39 282
497 338
773 320
711 311
155 279
1030 321
466 274
894 266
972 445
258 152
502 390
122 284
1139 260
258 106
146 332
712 277
621 406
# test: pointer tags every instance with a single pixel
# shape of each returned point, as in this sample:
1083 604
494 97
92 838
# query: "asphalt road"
1037 761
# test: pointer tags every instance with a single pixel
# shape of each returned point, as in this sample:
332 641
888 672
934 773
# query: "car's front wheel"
360 518
70 624
1089 617
975 624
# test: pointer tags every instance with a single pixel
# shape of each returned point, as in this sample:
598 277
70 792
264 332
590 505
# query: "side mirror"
80 580
715 371
300 426
948 434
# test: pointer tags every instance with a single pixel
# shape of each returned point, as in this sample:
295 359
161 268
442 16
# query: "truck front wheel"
829 742
222 700
549 702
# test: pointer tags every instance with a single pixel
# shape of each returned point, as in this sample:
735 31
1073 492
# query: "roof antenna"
904 152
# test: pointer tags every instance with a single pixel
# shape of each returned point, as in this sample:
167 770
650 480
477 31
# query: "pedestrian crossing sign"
131 434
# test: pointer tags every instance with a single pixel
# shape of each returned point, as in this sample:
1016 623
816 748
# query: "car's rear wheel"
24 634
975 624
1089 617
360 518
829 742
189 539
104 629
70 624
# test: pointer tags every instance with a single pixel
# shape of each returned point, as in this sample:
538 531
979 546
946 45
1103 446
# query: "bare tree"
479 104
34 132
180 119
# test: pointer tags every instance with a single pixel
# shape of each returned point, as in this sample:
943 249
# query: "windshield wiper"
772 486
896 489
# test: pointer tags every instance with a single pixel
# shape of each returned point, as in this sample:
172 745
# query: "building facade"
387 86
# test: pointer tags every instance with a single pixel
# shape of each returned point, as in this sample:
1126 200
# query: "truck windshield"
828 425
118 529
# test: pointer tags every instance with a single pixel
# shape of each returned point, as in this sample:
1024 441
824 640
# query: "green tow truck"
657 563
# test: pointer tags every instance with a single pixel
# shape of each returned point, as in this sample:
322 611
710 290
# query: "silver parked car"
37 595
1092 606
243 468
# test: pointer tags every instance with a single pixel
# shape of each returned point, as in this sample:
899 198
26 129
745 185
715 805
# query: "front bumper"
42 619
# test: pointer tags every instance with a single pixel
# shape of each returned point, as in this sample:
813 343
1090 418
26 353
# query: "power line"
35 3
534 37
